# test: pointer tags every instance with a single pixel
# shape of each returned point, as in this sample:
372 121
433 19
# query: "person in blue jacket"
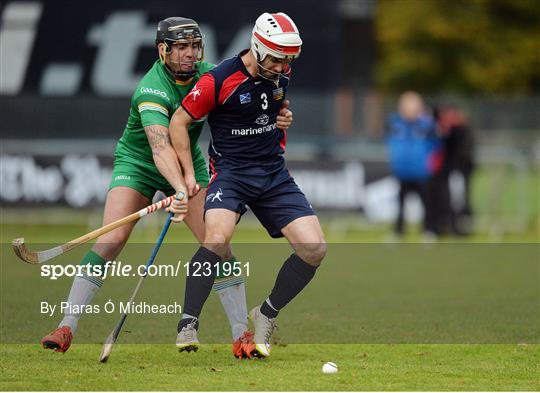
415 155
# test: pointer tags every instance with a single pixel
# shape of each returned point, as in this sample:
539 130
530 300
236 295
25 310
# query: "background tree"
468 46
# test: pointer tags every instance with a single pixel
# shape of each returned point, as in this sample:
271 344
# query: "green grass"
393 317
291 368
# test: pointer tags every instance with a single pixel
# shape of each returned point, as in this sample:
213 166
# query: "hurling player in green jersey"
145 162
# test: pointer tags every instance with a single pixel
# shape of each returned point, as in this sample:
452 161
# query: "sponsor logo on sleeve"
157 92
195 92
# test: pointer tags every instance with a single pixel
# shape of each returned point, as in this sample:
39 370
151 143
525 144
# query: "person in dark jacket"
458 145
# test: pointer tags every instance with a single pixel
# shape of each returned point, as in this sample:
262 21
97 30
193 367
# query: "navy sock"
199 281
294 275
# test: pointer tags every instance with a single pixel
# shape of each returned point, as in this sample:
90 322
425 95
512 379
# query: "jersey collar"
241 64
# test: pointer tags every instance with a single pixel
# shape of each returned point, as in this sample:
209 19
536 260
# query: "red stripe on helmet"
284 23
288 50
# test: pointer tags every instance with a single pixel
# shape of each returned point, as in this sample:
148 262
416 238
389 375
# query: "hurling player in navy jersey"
242 97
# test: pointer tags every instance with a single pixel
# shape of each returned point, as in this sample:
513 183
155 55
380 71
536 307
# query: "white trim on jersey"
213 148
152 106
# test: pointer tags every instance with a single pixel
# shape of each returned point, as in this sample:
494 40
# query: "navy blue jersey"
242 113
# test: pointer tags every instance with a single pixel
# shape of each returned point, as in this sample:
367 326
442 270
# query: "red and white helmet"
275 35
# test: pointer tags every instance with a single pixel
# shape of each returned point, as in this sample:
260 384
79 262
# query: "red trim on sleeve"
230 84
284 23
201 98
288 50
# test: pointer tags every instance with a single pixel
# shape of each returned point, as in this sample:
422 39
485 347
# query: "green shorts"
144 177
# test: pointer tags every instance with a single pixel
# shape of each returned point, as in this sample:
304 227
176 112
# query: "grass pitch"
388 325
291 367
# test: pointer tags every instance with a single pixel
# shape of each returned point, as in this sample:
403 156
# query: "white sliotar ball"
329 368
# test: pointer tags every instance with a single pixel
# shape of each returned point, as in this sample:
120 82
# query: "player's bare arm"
178 127
167 163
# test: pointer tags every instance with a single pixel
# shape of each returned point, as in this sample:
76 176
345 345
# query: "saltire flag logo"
245 98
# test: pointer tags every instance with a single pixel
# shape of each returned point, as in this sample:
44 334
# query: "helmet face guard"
275 35
178 30
271 75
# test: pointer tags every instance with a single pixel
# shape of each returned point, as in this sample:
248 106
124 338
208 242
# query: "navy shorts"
275 199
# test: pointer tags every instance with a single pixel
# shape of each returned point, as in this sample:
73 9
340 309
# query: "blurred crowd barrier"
347 178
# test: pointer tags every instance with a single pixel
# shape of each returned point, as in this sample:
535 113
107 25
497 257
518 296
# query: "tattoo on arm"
158 138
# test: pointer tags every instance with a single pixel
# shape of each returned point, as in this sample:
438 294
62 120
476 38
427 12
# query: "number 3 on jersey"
264 98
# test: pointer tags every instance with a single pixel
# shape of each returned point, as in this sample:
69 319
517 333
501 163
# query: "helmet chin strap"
276 77
183 76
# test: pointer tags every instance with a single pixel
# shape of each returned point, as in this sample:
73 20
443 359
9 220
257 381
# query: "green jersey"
156 98
154 101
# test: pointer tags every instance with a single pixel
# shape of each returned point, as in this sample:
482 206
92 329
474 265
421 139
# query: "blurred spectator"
415 156
454 212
